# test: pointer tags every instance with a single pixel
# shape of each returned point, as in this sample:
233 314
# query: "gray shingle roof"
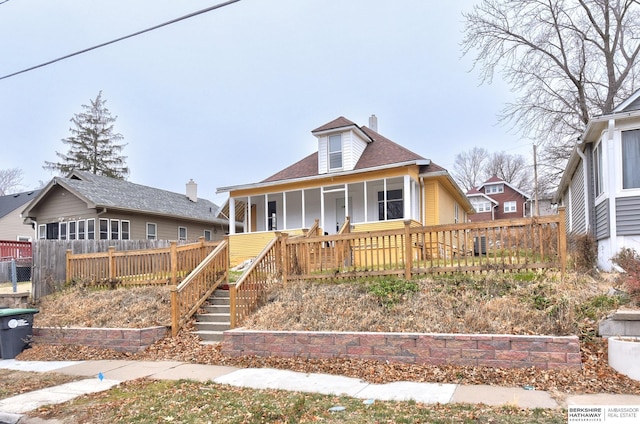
118 194
11 202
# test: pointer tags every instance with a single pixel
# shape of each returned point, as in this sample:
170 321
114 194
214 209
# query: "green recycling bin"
16 327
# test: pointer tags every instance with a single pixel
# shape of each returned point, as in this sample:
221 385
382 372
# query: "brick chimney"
192 191
373 123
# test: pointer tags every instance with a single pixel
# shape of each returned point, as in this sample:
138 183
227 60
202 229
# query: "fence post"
562 238
284 258
68 265
408 251
175 312
112 262
232 304
14 276
173 260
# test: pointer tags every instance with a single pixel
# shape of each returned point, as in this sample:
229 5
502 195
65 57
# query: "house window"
494 188
151 231
104 229
630 159
207 235
597 170
482 206
395 205
510 207
455 213
63 231
42 232
72 230
182 233
52 231
91 229
115 229
81 230
335 151
124 230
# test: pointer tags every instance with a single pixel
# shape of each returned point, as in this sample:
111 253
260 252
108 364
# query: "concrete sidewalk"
114 372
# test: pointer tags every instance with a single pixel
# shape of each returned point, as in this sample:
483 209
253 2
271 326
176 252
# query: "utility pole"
535 181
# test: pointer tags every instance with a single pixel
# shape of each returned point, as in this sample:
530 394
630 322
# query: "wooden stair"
216 319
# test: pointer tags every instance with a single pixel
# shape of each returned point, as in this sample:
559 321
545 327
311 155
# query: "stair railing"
248 293
196 288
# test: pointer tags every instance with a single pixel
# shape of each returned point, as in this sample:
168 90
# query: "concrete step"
213 326
217 309
213 317
219 300
209 336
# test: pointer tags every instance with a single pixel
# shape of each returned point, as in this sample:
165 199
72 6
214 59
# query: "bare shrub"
629 260
583 249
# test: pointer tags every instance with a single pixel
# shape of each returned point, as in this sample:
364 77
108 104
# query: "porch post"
322 208
408 251
303 211
248 216
232 215
284 210
366 213
407 197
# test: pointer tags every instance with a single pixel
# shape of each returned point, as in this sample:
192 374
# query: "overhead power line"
173 21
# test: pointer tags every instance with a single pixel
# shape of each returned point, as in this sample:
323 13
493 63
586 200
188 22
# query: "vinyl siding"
11 226
627 217
446 206
323 149
602 220
431 203
577 201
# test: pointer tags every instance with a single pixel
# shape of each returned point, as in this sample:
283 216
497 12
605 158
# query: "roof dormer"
340 145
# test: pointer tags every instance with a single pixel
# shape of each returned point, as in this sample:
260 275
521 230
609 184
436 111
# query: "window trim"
510 202
63 235
155 230
180 238
42 232
598 174
335 153
499 188
123 232
91 229
209 236
385 202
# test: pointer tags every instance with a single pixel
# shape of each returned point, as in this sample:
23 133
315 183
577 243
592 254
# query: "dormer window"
335 151
495 188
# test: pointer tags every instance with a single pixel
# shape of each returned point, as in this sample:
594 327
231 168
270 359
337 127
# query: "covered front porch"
295 209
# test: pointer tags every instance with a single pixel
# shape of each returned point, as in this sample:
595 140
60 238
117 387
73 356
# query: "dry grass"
493 303
137 307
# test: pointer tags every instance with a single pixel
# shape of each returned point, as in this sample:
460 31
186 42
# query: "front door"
340 212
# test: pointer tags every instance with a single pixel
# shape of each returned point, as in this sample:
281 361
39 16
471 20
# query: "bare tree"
567 60
468 167
510 168
10 180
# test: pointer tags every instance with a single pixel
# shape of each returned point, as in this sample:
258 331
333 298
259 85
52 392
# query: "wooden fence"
15 249
504 245
139 267
50 258
196 288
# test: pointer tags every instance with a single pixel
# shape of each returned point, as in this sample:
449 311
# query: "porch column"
346 202
232 215
284 210
408 197
322 208
266 212
302 209
366 212
248 215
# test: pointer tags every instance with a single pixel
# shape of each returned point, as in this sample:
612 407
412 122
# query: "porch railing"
137 267
505 245
248 293
196 288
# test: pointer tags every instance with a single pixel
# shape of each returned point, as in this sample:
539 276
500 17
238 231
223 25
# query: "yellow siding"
445 205
377 226
431 203
245 246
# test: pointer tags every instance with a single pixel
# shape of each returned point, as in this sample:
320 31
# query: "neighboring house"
11 226
600 187
497 199
355 173
87 206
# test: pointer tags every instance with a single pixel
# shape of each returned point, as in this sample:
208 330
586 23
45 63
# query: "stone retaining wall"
488 350
14 300
120 339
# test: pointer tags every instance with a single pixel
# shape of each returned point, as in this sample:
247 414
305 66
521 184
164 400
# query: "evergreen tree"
93 144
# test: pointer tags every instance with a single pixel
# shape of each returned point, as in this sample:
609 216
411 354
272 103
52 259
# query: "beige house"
84 206
11 225
355 172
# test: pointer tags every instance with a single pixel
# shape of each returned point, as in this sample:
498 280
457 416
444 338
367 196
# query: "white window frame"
124 222
62 235
91 229
335 153
73 232
180 237
117 232
42 232
456 213
494 188
155 230
510 206
82 229
598 171
106 233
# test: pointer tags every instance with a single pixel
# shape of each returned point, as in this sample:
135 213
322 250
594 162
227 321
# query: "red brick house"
497 199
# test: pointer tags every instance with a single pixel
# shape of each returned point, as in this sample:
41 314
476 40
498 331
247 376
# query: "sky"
231 96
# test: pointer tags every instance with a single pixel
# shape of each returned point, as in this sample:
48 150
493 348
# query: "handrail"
246 293
346 226
196 288
313 231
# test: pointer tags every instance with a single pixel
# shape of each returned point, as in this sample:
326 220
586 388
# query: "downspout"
103 211
585 176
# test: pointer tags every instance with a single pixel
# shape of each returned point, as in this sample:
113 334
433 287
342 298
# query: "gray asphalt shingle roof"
112 193
11 202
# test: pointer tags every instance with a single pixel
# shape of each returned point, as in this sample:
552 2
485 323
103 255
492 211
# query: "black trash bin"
16 328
